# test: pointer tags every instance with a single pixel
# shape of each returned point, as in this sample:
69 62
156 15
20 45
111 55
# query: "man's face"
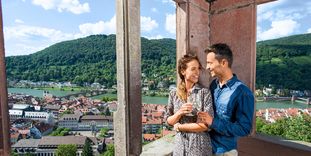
213 65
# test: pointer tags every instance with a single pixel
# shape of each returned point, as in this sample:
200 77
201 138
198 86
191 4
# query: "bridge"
86 93
303 100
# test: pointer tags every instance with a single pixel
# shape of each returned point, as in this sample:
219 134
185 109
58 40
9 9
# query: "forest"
283 63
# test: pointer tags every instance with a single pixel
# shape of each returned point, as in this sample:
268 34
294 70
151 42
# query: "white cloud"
24 32
148 24
100 27
171 2
309 30
73 6
40 37
278 29
18 21
154 10
154 37
170 23
24 39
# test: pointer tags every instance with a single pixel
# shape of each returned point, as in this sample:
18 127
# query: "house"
69 121
47 146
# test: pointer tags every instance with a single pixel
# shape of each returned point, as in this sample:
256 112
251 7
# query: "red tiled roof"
149 137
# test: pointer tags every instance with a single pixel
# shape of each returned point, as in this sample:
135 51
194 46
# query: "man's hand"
204 117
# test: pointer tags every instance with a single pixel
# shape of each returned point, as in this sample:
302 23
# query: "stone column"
192 31
4 117
201 23
127 118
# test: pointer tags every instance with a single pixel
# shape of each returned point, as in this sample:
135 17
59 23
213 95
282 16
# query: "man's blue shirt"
233 117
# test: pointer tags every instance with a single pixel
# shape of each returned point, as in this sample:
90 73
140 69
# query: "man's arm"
243 115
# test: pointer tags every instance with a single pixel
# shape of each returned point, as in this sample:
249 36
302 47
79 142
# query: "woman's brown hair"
182 66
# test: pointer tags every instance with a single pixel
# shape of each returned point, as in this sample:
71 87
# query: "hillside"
92 59
285 62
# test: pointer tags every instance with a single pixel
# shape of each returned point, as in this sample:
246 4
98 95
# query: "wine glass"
195 101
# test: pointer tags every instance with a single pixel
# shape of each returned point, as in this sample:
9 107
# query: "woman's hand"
185 109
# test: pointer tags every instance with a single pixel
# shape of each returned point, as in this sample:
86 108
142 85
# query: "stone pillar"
192 31
4 117
201 23
127 118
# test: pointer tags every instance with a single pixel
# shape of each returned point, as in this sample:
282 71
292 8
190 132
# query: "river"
156 100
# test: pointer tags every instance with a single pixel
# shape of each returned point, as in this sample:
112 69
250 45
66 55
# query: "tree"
109 151
87 149
66 150
107 112
103 132
294 128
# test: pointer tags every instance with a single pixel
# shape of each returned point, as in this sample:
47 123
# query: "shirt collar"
229 83
196 87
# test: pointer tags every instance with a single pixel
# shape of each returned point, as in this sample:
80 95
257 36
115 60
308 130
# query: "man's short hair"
222 51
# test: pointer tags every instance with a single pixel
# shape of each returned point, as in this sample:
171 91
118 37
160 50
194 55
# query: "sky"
32 25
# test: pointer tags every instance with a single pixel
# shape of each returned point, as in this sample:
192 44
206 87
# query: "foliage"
107 112
284 62
295 128
109 150
106 99
13 153
87 149
60 131
103 132
92 59
66 150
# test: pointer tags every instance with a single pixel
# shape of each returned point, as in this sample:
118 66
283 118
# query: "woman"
192 137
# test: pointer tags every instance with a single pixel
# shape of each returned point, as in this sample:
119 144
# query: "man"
233 103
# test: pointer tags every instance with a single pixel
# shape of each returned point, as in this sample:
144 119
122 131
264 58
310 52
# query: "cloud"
170 23
19 38
148 24
278 29
24 32
73 6
40 37
309 30
171 2
100 27
154 37
18 21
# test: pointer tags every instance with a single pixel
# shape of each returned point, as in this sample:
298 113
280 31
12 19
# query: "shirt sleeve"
170 106
242 123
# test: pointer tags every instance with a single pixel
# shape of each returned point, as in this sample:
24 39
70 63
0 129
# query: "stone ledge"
160 147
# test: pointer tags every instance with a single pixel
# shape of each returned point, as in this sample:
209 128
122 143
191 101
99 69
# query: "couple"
211 124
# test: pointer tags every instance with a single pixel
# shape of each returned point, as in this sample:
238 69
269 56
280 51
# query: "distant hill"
92 59
285 62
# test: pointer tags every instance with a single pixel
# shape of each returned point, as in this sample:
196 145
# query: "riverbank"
157 99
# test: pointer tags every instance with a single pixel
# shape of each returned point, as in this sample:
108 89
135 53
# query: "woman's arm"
190 127
171 117
184 109
207 104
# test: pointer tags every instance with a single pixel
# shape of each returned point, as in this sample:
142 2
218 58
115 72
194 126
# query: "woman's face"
191 74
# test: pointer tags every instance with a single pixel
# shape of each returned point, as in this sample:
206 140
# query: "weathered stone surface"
127 118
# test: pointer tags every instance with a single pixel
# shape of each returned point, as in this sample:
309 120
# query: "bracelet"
176 127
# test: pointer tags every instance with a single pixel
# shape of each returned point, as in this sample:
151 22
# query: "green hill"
92 59
285 62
